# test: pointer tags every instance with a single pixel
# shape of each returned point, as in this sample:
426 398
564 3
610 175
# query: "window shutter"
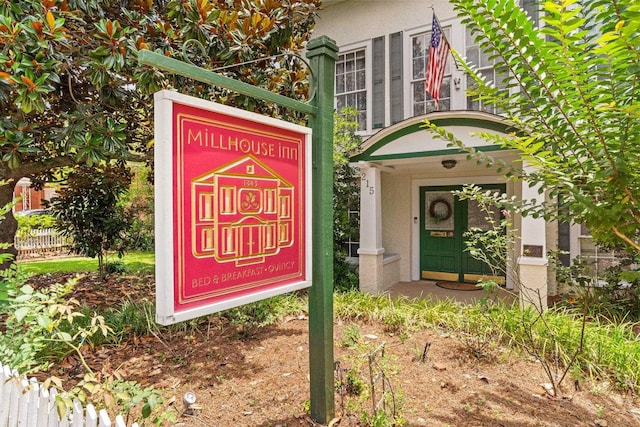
396 90
532 7
564 236
378 83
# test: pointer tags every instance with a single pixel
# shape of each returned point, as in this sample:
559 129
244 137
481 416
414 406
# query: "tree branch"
34 168
622 236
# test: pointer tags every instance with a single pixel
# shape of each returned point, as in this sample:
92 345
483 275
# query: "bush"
40 325
613 294
34 222
346 192
43 326
87 211
345 275
117 266
137 202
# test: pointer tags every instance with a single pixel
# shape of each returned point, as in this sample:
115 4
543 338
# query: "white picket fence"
27 403
40 242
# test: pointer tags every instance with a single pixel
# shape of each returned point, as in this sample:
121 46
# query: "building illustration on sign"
242 212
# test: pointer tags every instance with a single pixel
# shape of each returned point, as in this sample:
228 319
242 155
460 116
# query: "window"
228 240
353 239
206 206
485 68
598 259
532 7
285 206
207 239
270 200
270 235
284 232
351 88
227 200
421 102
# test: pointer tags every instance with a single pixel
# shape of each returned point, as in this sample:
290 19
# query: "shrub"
41 324
86 210
34 222
346 190
612 294
137 202
345 275
117 266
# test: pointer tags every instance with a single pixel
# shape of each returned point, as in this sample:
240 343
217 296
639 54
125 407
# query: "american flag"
438 53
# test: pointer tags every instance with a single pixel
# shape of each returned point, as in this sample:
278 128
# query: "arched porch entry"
404 170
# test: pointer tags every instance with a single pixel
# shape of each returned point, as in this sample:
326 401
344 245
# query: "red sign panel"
238 205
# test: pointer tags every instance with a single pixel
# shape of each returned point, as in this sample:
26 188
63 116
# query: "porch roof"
410 139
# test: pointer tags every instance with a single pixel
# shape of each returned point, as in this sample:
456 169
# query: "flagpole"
440 25
433 11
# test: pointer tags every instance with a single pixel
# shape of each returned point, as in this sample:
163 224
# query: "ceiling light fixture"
449 163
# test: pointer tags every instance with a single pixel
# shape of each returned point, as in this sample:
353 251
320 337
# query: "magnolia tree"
88 213
72 91
573 99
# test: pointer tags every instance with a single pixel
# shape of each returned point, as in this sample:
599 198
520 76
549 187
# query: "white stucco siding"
353 21
396 220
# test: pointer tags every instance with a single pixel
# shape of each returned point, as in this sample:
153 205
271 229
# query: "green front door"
440 234
443 221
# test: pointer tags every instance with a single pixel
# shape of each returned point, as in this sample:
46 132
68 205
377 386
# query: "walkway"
423 289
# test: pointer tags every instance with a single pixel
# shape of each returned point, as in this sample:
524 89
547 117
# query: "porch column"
371 250
532 264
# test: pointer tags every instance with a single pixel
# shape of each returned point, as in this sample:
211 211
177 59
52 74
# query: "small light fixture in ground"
188 399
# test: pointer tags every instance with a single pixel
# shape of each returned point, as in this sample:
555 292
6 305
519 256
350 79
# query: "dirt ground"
263 379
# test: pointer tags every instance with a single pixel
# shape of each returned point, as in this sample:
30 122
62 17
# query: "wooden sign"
232 207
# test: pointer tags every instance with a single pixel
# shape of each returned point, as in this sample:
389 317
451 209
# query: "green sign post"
322 53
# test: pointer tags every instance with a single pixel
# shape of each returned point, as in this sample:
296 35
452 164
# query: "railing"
27 403
40 242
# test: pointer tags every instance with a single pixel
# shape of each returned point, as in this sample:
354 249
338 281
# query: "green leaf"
21 313
26 289
146 410
65 336
44 321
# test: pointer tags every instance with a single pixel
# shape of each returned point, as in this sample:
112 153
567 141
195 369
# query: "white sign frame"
164 205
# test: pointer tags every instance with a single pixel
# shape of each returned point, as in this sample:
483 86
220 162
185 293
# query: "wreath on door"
440 210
